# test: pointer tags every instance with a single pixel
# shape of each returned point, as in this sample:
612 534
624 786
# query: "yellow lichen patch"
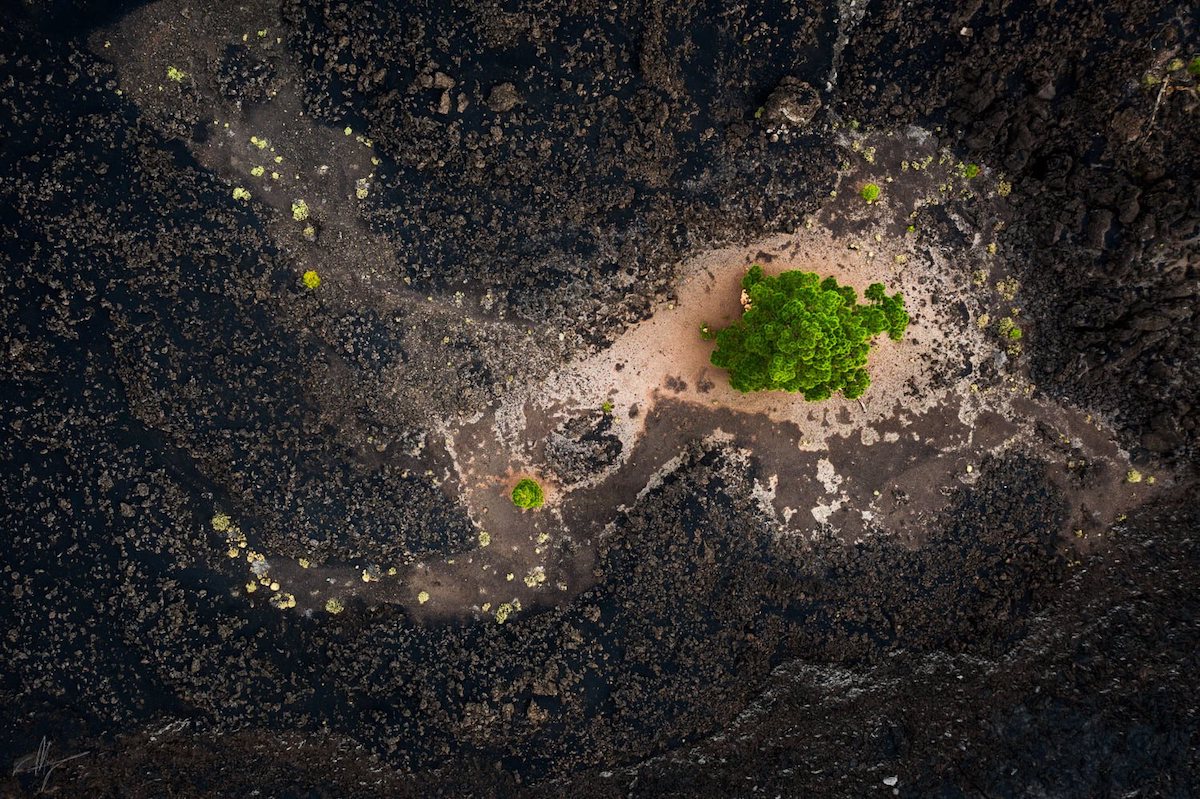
233 552
259 143
422 597
257 171
486 607
348 130
279 159
361 188
535 577
274 586
369 576
1008 288
1004 188
175 74
221 522
503 612
311 279
485 538
334 606
251 587
510 577
240 193
1133 476
283 601
543 538
304 563
299 210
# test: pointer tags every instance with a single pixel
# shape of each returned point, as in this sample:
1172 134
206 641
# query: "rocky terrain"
292 293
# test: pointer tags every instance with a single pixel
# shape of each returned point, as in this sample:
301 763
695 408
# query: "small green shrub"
970 171
1193 67
801 333
528 494
870 192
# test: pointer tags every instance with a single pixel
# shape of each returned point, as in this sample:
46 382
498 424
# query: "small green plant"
528 494
971 171
801 333
606 407
870 192
1193 67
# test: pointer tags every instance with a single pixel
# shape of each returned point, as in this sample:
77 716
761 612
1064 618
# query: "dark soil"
552 162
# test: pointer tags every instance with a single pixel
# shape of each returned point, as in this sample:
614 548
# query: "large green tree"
801 333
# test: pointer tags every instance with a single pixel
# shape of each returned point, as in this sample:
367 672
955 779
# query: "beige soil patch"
666 354
940 402
885 465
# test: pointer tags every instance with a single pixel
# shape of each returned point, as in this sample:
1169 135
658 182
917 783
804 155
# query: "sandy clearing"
940 402
665 354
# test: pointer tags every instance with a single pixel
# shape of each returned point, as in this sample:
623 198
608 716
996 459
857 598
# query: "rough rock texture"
1073 101
161 362
583 447
634 140
792 105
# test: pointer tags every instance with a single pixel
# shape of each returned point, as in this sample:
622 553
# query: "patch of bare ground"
951 393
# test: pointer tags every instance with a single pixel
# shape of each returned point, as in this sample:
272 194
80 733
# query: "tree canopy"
801 333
